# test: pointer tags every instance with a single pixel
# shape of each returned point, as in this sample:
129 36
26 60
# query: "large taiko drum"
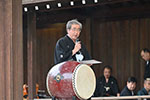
71 79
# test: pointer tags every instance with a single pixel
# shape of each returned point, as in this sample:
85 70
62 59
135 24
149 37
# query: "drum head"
84 81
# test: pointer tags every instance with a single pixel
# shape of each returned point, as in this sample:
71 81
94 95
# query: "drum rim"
48 85
73 81
47 79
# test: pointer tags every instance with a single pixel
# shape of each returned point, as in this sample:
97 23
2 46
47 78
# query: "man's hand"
77 47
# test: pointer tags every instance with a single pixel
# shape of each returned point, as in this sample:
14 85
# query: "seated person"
129 88
146 89
106 85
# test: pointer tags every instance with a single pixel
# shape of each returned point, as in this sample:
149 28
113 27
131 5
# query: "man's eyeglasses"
76 29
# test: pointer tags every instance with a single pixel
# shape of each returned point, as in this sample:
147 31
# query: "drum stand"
53 98
73 98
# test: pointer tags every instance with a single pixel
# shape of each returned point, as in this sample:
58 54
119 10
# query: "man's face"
131 85
147 85
74 32
145 55
107 73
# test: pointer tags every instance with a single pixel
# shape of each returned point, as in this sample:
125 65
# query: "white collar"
147 62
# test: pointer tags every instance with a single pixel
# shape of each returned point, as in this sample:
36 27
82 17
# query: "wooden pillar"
11 50
31 53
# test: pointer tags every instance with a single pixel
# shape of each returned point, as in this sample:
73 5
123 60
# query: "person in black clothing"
106 85
69 47
145 54
146 89
129 88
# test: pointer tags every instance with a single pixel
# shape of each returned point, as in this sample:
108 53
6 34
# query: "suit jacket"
106 89
143 92
126 92
147 71
63 50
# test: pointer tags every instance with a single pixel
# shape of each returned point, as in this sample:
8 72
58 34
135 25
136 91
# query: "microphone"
77 40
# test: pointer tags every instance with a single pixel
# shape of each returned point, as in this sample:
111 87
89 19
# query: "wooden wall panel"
135 50
31 54
46 40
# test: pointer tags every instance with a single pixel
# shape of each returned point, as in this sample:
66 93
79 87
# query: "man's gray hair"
71 22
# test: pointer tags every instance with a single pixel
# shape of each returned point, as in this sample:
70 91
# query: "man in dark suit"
146 89
145 54
129 88
106 85
69 47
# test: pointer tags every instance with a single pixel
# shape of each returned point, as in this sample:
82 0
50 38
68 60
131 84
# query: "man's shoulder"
125 88
113 78
101 77
142 92
125 92
62 40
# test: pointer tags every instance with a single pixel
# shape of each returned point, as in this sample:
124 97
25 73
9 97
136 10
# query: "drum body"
69 79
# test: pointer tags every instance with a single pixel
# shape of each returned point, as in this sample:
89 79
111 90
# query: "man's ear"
68 30
147 53
127 82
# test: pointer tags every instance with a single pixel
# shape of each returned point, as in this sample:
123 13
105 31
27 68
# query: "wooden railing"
114 98
121 98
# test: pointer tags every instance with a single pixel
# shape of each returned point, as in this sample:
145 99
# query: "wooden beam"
34 1
30 4
133 11
24 2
